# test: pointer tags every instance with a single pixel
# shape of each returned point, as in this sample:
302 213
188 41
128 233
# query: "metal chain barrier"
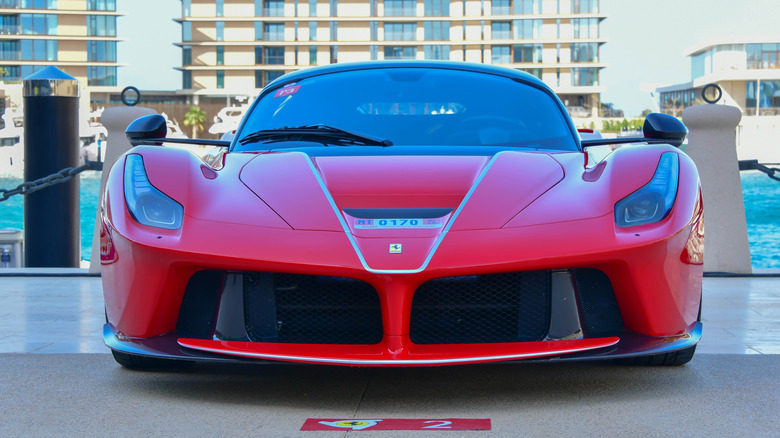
755 165
63 175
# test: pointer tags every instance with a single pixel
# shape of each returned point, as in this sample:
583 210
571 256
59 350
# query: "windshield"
417 107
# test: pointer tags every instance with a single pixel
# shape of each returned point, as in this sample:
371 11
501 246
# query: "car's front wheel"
135 362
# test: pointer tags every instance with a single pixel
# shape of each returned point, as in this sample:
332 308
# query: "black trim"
193 141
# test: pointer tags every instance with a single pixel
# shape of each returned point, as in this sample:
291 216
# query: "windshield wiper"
327 135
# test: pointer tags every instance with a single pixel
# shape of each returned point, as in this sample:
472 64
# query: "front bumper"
629 344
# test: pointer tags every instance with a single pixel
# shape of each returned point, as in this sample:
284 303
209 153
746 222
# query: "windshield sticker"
287 90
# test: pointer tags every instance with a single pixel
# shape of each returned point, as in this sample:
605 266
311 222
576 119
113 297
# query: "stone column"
712 144
115 120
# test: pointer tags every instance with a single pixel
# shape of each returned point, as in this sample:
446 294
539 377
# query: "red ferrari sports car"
403 214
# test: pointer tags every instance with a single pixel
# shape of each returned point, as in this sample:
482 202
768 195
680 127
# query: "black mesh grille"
309 309
598 306
513 307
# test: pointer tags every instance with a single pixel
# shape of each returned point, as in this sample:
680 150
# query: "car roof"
371 65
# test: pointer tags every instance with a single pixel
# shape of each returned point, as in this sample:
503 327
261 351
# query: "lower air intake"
512 307
310 309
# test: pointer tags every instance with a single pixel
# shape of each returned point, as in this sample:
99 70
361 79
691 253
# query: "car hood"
472 192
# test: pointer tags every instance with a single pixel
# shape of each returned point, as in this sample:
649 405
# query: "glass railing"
9 4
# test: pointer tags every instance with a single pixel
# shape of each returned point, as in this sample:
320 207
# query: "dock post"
51 143
712 144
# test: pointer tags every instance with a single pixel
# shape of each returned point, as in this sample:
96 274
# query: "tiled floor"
65 315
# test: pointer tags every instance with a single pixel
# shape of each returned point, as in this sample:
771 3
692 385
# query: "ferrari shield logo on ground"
397 424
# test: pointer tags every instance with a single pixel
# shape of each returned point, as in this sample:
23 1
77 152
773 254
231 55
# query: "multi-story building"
77 36
746 69
232 46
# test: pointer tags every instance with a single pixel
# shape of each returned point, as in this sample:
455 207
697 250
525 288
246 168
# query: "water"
761 194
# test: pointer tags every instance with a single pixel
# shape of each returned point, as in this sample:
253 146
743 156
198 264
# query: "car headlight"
654 200
146 204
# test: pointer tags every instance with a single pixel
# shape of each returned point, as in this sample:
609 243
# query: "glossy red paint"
571 225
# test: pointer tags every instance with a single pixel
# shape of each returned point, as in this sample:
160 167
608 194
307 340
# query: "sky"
645 41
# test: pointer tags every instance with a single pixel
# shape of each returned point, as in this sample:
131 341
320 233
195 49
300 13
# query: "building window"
258 55
501 30
271 75
763 56
400 8
93 5
437 8
334 8
584 77
274 55
586 27
312 55
585 52
274 31
220 78
436 30
220 30
39 50
399 52
186 79
9 24
500 7
527 53
258 8
274 8
437 52
186 8
258 79
101 51
312 31
334 54
528 7
334 31
374 51
400 31
526 29
186 55
585 6
312 8
39 24
500 55
534 71
186 31
258 30
105 76
220 8
9 51
220 55
101 25
38 4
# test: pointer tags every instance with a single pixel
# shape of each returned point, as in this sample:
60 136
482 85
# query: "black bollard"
51 143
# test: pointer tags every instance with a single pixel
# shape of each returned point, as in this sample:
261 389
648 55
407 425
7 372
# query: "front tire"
143 363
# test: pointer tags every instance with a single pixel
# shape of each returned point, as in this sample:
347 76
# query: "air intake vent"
310 309
512 307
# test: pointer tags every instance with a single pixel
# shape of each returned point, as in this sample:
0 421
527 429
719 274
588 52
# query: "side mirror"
146 127
665 127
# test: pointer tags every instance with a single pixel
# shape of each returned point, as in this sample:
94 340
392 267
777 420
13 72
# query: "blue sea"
761 194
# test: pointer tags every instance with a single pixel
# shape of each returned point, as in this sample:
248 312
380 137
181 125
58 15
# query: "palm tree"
195 118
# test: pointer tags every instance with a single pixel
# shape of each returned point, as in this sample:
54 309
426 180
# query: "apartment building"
232 46
746 68
77 36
